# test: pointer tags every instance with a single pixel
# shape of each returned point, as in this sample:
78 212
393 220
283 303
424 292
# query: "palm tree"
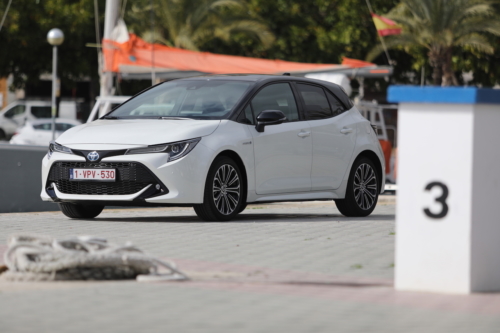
190 23
441 26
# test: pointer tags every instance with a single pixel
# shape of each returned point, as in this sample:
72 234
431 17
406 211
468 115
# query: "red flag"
384 26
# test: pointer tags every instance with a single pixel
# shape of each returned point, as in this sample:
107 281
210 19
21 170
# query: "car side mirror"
269 117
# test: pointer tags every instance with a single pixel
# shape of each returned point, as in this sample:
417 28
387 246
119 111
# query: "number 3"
441 200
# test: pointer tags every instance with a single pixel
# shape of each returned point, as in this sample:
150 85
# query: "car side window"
15 111
335 104
246 116
43 126
315 102
278 96
63 127
41 111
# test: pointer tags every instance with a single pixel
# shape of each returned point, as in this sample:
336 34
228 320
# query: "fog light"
158 186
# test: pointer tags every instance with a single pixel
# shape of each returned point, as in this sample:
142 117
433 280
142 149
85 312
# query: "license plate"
102 175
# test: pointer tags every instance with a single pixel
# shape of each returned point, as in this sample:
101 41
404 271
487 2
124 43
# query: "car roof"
235 77
264 78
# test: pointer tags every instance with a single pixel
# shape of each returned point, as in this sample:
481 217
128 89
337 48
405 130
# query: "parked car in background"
104 104
39 132
18 113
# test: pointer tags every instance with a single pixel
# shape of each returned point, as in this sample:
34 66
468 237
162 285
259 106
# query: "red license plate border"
71 179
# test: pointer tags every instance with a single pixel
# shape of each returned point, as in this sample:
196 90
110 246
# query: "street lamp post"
55 37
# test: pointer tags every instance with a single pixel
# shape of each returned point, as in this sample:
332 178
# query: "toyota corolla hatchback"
217 143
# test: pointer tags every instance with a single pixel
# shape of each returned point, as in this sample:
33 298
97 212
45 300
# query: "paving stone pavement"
292 267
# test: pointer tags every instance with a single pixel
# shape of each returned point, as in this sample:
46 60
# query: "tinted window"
43 127
276 97
337 107
63 127
315 102
41 111
246 116
196 99
15 111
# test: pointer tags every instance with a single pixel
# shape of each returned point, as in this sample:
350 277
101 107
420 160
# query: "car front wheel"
76 211
223 197
362 190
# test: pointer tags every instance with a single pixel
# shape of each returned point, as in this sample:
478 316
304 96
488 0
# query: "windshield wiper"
109 117
175 118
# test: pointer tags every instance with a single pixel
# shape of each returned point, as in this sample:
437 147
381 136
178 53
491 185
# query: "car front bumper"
179 182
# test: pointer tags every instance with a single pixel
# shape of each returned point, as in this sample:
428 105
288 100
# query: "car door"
333 136
282 152
42 133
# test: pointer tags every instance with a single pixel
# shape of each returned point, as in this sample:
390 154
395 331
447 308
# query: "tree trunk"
449 78
436 61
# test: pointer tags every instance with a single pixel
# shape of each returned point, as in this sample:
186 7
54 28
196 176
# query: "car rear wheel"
242 208
362 190
223 197
76 211
2 135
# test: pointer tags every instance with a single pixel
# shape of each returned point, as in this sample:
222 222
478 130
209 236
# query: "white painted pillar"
448 206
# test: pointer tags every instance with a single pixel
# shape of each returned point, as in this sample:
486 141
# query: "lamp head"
55 37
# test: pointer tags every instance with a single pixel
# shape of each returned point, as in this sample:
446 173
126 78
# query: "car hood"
137 131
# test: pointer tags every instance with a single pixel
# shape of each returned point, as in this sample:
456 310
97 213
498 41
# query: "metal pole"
153 73
5 15
385 49
54 88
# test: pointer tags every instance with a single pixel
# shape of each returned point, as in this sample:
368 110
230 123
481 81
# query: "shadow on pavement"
252 218
339 284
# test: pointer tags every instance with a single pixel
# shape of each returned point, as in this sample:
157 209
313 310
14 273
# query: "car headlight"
55 147
174 150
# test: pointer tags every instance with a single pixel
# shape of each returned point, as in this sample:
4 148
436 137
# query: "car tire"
362 190
2 135
223 196
76 211
243 207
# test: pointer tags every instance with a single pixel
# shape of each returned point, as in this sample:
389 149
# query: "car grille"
131 177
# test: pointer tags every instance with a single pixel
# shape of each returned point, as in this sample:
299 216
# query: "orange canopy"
138 54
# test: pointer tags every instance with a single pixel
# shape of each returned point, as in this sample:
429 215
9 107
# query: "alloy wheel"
226 189
365 186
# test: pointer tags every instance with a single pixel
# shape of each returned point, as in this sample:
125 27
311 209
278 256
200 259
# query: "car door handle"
346 130
304 134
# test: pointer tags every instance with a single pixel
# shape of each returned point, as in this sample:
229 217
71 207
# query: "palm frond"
186 42
255 29
155 37
479 25
442 23
483 9
477 42
391 42
191 23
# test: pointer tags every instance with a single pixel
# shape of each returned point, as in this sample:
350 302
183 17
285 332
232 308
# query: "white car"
39 132
217 143
18 113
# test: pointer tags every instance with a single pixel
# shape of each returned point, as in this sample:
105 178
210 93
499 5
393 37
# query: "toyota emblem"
93 156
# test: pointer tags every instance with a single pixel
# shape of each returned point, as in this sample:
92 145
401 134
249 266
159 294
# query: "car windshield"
195 99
